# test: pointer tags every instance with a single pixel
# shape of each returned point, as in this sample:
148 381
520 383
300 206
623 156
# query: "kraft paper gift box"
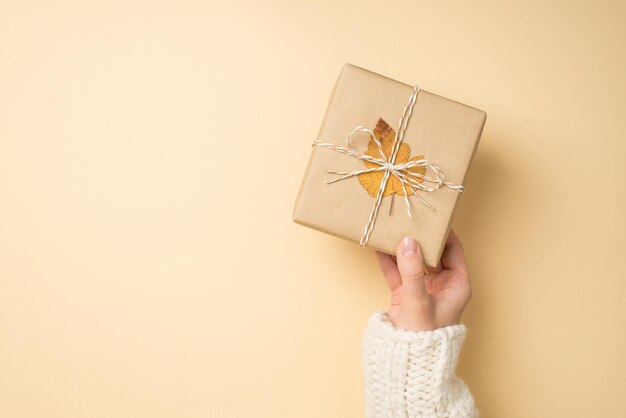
440 132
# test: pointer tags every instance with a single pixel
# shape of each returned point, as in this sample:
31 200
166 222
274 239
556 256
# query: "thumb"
411 266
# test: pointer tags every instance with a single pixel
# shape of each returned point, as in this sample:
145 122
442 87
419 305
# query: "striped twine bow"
400 171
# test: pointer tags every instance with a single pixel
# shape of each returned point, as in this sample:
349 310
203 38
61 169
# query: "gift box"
389 161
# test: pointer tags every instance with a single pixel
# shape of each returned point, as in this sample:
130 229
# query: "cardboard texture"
444 131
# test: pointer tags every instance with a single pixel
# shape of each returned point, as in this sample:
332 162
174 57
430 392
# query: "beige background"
150 155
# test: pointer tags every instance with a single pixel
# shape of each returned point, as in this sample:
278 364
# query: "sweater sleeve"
411 374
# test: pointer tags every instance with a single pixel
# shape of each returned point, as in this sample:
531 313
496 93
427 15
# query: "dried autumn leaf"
371 181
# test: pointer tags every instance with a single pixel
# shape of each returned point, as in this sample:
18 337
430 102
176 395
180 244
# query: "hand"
422 300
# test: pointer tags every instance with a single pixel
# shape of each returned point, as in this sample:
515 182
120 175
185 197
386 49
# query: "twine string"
407 178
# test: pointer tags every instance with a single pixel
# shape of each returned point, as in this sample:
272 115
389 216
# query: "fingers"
435 270
453 257
412 269
389 269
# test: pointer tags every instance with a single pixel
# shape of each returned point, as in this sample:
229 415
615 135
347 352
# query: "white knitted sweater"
411 374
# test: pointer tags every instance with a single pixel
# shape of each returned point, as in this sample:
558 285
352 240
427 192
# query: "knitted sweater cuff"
412 373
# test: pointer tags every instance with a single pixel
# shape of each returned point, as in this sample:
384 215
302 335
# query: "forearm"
411 374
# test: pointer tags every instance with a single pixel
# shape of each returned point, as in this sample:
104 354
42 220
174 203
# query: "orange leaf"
371 181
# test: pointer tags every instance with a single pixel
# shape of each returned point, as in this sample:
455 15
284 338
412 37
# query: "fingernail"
409 247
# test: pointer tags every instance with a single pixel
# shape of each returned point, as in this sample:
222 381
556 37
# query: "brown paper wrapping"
445 132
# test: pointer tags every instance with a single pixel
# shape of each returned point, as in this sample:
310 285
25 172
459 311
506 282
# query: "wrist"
413 317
